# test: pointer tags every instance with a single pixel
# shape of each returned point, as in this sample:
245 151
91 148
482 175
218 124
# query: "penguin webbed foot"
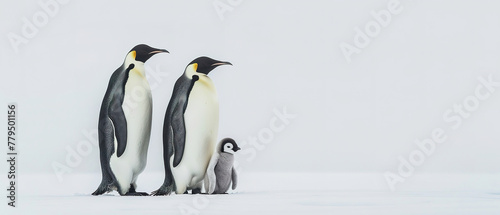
132 192
136 194
196 191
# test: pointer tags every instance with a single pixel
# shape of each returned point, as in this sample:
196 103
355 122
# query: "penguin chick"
220 171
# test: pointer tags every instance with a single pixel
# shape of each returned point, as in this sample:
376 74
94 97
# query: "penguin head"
205 65
228 145
143 52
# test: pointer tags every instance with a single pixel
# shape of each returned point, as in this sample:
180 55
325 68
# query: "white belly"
202 123
137 107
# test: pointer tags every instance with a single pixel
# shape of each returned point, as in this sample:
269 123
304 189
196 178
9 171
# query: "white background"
356 117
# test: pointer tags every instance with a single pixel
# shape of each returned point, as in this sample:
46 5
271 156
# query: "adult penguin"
190 128
125 124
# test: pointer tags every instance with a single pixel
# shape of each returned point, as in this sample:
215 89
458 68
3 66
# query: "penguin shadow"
198 191
214 194
86 194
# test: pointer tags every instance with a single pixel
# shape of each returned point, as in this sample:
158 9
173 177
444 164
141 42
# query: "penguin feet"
132 192
136 194
196 191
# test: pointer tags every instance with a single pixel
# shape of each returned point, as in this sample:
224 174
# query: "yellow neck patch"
138 72
133 54
195 66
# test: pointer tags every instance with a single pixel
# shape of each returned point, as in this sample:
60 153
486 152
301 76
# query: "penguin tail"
168 185
103 188
164 190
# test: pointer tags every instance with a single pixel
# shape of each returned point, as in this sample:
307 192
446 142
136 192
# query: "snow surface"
270 193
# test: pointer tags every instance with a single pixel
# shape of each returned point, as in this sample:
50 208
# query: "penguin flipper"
178 124
172 142
206 183
179 137
119 122
210 177
234 178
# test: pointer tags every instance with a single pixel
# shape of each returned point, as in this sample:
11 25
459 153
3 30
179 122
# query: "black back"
112 122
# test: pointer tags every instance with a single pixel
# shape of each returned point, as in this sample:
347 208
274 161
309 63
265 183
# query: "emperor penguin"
190 128
220 170
125 124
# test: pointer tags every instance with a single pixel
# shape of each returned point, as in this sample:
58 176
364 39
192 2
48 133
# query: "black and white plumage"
125 124
190 128
220 172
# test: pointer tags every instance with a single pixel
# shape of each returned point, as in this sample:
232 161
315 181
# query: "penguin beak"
237 149
221 63
158 51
